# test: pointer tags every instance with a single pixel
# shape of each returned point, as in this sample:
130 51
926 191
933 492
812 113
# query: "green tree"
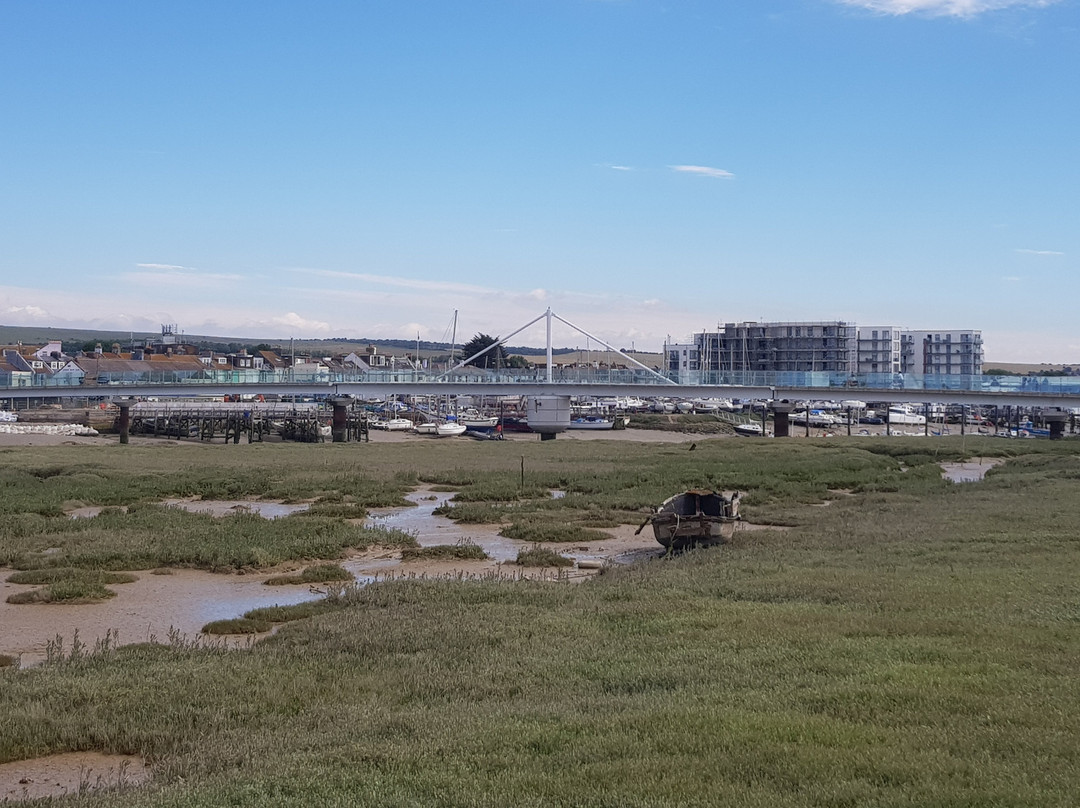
495 358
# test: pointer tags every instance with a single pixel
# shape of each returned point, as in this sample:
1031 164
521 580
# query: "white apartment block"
830 346
878 349
944 353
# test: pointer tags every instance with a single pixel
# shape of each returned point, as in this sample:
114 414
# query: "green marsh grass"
64 591
51 575
537 556
315 574
551 532
466 550
150 535
66 585
237 625
914 644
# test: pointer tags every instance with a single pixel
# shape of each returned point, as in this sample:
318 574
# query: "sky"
646 169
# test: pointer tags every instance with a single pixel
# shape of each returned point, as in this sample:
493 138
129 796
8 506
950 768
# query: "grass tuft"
537 556
465 550
315 574
52 575
541 532
64 591
237 625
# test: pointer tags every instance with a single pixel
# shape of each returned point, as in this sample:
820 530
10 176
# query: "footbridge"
143 380
1061 392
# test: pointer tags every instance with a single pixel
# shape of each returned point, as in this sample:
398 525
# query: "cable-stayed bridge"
633 380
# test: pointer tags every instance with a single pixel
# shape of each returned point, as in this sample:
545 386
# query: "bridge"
1060 392
639 380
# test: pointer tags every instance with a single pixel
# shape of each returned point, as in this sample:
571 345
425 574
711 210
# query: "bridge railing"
107 384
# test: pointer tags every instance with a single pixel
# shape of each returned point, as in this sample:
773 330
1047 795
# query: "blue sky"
645 169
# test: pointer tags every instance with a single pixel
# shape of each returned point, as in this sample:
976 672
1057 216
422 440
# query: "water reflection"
971 471
226 507
431 530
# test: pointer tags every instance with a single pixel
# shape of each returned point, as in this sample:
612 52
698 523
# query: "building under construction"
832 346
746 347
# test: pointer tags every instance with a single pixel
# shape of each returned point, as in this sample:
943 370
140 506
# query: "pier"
230 421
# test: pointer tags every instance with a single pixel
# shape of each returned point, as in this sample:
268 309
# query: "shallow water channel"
183 601
971 471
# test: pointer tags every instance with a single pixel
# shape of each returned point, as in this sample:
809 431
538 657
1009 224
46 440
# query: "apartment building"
944 353
879 349
833 346
805 347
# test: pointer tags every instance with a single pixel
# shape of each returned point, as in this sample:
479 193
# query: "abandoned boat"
695 517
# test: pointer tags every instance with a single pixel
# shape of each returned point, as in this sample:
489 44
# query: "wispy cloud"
704 171
403 283
942 8
1038 252
171 267
176 275
173 278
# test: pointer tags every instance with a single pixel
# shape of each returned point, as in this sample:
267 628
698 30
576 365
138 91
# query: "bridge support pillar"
781 421
124 421
1055 420
339 426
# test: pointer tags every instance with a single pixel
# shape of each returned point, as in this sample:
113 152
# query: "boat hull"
753 430
592 423
696 518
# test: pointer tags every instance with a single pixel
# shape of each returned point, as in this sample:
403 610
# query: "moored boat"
905 414
474 420
749 428
592 422
695 517
450 429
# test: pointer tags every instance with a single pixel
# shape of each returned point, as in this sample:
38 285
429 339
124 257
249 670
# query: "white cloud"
393 281
167 278
704 171
1040 252
174 267
942 8
302 325
23 315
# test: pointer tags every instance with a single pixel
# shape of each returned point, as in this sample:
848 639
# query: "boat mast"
453 340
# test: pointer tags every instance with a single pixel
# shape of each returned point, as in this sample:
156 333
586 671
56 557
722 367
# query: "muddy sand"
180 603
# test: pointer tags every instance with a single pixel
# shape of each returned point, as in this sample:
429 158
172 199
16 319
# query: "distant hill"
1024 368
74 338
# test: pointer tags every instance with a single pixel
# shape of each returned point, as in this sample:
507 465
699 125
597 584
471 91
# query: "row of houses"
830 346
48 364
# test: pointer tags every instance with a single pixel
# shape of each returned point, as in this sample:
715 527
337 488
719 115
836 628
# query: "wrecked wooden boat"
695 518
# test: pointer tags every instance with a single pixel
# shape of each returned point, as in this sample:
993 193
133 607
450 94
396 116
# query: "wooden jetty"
208 420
